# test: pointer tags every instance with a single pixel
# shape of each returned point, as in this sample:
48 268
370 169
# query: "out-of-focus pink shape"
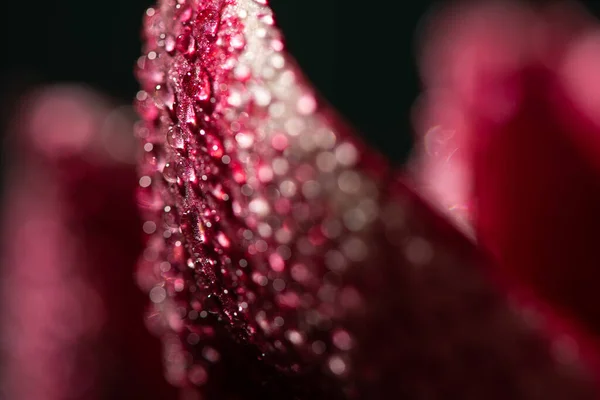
71 315
441 168
522 87
65 120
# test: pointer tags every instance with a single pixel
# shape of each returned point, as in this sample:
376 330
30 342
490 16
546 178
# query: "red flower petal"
286 249
524 82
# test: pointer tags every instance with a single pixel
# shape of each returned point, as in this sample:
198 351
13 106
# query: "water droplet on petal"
176 137
210 354
169 173
164 97
342 339
223 240
186 44
238 41
337 365
214 146
208 22
239 175
170 42
197 85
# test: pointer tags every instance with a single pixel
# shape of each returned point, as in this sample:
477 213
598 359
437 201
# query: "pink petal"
524 81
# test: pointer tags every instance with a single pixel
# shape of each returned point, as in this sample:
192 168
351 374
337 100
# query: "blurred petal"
524 81
440 166
72 316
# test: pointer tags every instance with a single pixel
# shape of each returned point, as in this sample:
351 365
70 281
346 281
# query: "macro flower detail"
285 259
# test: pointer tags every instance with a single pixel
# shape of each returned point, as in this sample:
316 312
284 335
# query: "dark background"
359 54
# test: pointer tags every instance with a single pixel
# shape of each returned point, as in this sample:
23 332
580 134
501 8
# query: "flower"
511 103
283 258
284 255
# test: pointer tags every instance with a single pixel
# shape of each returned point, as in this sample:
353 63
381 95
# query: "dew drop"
294 337
262 96
197 85
210 354
307 104
346 154
242 72
238 41
149 227
245 140
238 173
145 181
214 146
158 295
342 339
267 19
208 21
164 97
337 365
176 137
186 44
259 206
169 173
223 240
170 42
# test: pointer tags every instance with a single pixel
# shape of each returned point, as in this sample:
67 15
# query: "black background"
359 54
